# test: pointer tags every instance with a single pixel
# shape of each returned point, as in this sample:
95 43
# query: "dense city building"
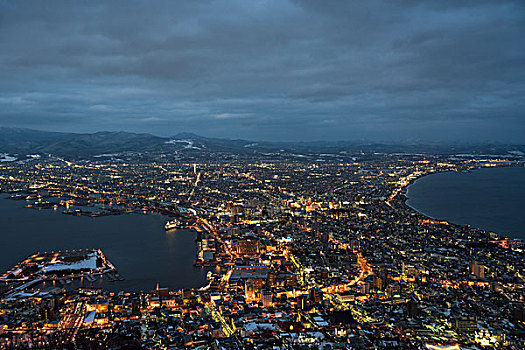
302 254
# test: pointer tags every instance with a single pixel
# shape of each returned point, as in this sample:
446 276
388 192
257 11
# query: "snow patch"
90 263
254 326
189 143
4 157
106 155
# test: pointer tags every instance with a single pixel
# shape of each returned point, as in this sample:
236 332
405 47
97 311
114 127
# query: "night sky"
267 70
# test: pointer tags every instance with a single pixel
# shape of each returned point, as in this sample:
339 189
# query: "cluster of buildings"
300 254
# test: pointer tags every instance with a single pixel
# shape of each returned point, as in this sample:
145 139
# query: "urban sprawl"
302 254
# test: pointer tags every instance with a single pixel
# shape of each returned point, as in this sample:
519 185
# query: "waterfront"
489 199
136 244
308 245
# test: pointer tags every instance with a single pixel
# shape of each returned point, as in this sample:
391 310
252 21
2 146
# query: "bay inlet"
491 199
137 244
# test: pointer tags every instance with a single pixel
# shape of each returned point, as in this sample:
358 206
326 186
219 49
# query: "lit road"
71 322
366 270
228 331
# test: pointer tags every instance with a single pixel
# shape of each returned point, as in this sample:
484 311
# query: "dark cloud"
383 70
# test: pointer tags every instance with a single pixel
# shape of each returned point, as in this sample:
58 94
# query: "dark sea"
491 199
143 253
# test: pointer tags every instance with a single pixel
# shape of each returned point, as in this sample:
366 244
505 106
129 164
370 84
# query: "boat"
172 224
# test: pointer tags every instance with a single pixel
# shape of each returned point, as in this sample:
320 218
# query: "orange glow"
434 222
442 347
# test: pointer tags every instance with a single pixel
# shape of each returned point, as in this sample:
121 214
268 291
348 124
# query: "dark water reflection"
136 244
490 199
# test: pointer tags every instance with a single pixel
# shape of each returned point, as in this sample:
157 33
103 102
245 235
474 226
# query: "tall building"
248 247
249 291
477 270
266 298
316 295
302 302
466 324
270 279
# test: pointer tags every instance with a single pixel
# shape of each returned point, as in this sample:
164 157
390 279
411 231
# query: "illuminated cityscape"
262 175
299 254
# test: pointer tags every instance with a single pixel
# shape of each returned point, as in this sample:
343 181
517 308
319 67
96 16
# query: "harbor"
136 244
56 269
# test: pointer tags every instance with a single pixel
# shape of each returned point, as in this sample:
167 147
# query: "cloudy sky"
267 70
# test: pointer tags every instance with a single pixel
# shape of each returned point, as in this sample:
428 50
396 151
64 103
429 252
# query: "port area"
52 272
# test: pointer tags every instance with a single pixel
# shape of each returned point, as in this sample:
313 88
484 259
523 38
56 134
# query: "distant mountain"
27 141
14 140
213 144
24 141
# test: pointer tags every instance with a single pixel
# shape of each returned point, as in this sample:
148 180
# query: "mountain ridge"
28 141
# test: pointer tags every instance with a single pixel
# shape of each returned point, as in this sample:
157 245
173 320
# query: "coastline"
404 202
156 251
